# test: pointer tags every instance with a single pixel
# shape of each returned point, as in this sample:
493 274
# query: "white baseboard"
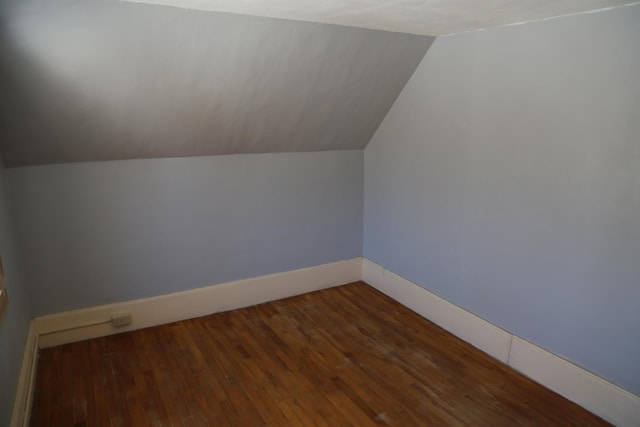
482 334
590 391
603 398
21 415
78 325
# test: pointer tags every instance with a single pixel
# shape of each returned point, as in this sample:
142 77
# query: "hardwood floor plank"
338 358
375 352
345 356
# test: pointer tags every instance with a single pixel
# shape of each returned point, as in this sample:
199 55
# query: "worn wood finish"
341 356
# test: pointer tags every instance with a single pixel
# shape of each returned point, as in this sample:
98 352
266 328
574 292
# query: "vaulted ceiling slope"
426 17
102 80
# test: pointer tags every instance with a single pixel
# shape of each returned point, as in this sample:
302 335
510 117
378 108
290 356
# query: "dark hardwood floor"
337 357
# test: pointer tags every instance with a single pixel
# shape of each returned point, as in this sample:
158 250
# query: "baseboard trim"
463 324
603 398
590 391
78 325
594 393
21 415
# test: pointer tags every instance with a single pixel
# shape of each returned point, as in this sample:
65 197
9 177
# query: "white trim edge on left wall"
21 414
594 393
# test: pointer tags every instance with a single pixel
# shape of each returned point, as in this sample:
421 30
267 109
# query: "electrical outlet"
120 319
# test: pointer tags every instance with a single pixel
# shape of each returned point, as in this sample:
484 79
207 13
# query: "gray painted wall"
111 231
506 178
13 332
103 80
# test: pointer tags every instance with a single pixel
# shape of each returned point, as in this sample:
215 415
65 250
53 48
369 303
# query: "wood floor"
338 357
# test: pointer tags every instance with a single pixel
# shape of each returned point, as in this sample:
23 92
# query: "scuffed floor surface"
342 356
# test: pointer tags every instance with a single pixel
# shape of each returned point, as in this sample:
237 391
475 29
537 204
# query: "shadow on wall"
104 232
103 80
38 107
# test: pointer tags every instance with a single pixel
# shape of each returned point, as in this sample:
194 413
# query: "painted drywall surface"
506 179
105 232
104 80
13 332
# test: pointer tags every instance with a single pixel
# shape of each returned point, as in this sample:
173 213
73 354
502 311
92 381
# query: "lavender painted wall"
111 231
506 179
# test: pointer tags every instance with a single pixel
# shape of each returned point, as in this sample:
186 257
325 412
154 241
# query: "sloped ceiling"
426 17
102 80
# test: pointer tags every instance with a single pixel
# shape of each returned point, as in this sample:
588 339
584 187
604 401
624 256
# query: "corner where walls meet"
505 179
